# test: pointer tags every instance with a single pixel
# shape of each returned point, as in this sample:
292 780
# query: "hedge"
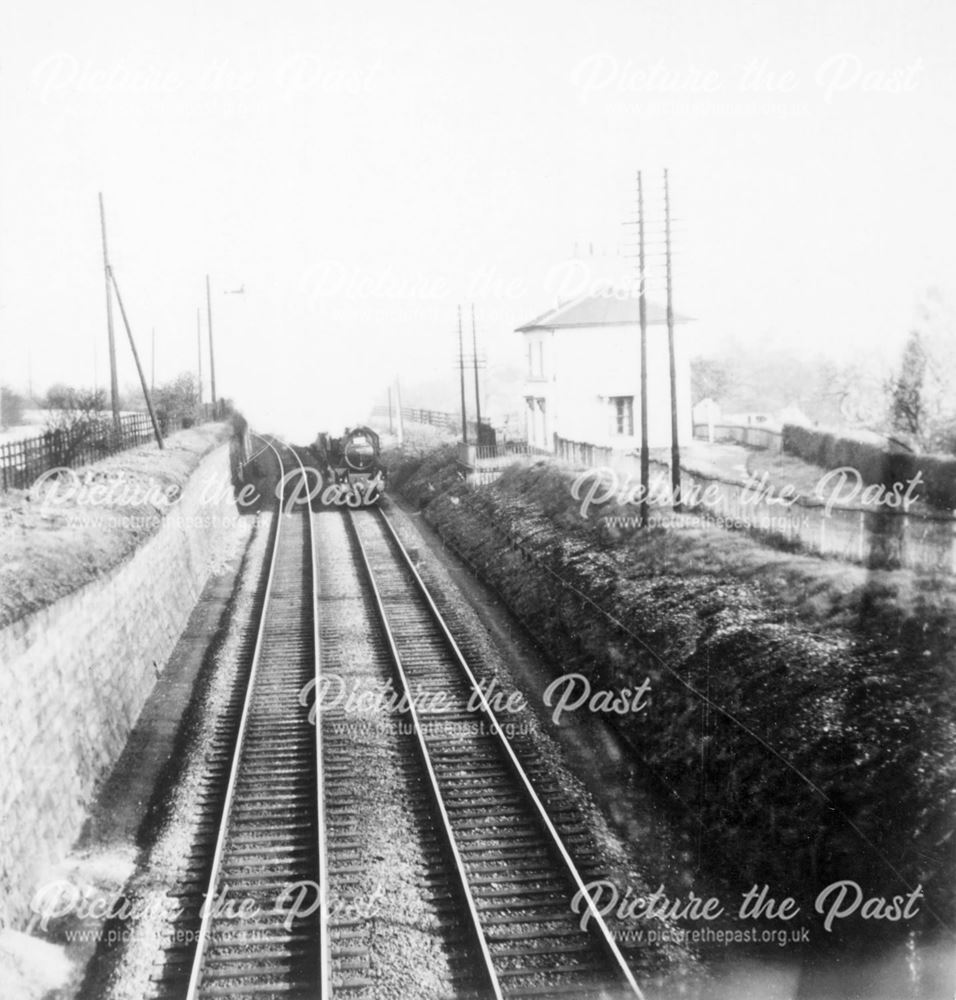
876 464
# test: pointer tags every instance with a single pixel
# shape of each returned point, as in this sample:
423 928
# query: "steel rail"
474 920
603 933
195 980
325 953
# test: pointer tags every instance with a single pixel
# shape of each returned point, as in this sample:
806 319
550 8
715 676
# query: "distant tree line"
83 414
914 401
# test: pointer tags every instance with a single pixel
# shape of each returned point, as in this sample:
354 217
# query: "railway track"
515 874
384 833
288 829
262 930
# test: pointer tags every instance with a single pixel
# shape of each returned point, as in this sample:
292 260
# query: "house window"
622 415
530 359
540 359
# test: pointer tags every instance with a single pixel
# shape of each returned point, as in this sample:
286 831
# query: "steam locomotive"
350 466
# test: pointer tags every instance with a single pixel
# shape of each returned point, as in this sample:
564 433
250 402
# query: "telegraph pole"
474 348
642 308
212 357
114 382
461 379
199 350
675 446
391 428
152 362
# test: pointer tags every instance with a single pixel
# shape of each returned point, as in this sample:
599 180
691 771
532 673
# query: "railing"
433 418
581 452
21 462
483 464
493 454
751 435
505 450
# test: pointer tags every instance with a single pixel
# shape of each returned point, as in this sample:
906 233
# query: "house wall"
539 384
583 367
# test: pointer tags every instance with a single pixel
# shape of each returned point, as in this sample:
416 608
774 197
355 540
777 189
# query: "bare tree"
922 392
178 400
77 420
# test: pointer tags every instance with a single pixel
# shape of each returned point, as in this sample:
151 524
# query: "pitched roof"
606 307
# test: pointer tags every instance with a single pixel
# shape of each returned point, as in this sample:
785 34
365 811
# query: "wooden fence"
751 435
21 462
483 464
450 422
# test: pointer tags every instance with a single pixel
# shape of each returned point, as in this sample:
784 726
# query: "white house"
584 373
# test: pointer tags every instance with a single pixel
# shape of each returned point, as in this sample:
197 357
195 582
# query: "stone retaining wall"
77 673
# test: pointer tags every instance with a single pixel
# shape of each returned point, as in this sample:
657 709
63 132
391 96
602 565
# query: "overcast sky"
361 168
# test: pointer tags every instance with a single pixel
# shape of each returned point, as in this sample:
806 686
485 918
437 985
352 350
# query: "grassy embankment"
803 711
70 529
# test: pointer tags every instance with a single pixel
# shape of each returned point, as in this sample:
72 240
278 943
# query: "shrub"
876 464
